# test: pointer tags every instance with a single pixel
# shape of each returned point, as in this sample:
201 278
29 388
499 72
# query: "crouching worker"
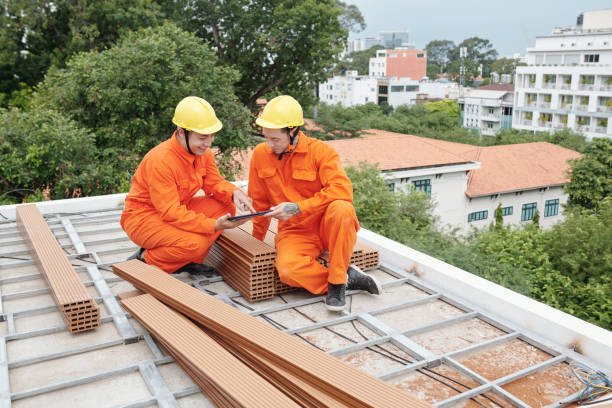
301 180
174 229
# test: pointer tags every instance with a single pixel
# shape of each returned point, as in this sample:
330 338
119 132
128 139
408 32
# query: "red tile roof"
496 87
519 167
394 151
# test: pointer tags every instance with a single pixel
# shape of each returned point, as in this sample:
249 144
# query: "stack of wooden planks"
76 305
247 264
256 351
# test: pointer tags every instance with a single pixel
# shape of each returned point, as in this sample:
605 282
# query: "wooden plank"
76 305
227 380
345 383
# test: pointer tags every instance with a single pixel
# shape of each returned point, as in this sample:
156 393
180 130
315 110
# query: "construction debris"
336 379
77 306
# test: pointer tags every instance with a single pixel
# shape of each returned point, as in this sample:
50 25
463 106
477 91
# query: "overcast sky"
508 24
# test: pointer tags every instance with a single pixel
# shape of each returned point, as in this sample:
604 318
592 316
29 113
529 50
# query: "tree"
438 52
42 150
278 46
591 175
35 35
504 66
536 219
358 61
127 94
479 52
499 217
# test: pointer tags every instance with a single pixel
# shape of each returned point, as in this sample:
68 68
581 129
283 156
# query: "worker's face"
277 139
199 142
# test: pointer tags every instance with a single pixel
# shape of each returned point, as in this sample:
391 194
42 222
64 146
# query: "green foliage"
35 35
536 219
447 106
591 175
499 217
276 45
44 151
357 61
564 137
438 53
504 66
128 92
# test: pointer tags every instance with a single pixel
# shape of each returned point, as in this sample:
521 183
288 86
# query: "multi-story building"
362 44
400 63
567 82
352 89
395 39
487 109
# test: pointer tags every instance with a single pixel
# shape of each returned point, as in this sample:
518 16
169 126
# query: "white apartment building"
567 82
352 90
362 44
487 110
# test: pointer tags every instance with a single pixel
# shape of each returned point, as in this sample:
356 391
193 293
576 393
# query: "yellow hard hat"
195 114
281 112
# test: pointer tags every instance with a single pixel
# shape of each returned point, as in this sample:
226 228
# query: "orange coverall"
161 213
312 177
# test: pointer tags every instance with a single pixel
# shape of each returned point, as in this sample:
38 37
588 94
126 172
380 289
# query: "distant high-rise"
395 39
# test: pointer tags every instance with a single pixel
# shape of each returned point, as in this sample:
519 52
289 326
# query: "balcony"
604 108
491 117
545 124
564 86
586 87
557 125
526 122
531 104
549 85
545 105
605 87
583 128
580 107
600 129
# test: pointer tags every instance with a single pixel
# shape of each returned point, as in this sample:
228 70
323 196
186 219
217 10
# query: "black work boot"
196 269
139 254
357 280
334 300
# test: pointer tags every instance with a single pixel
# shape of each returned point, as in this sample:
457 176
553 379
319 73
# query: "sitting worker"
301 180
174 229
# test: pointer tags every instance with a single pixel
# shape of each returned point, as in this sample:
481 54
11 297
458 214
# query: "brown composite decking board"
345 383
76 305
214 368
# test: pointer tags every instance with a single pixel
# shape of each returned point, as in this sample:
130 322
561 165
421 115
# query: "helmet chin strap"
186 135
294 141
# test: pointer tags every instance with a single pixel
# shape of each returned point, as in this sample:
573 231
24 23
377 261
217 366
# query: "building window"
551 208
571 59
478 215
422 185
420 55
383 89
507 210
528 211
391 186
397 88
591 57
412 88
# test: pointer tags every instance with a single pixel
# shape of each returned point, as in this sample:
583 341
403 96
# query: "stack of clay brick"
76 305
247 264
240 361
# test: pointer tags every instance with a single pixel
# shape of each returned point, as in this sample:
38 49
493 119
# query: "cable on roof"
596 384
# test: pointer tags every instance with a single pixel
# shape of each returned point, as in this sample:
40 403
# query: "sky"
510 25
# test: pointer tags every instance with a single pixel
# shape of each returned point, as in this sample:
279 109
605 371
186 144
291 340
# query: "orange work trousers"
297 249
168 247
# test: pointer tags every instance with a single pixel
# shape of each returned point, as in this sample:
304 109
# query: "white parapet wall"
593 342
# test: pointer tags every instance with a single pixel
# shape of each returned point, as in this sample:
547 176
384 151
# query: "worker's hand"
223 222
243 202
284 211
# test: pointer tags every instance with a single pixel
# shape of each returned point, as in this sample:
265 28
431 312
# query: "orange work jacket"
310 176
168 177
